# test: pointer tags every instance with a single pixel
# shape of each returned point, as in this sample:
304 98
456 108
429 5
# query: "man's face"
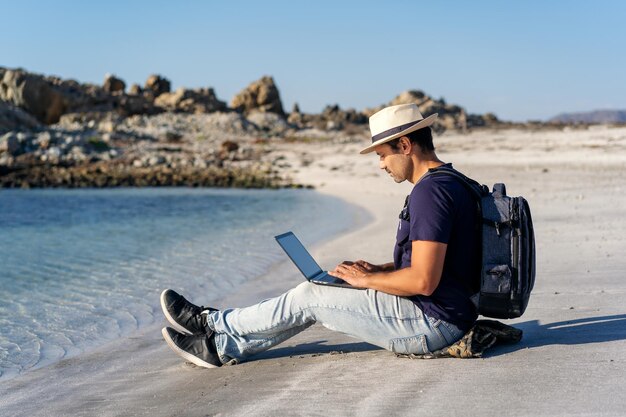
394 161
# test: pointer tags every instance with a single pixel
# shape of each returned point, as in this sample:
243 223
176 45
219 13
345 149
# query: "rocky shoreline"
60 133
99 175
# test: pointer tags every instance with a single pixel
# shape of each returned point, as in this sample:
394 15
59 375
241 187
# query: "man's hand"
371 267
355 273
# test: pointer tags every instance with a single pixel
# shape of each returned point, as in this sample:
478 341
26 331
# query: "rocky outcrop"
112 84
14 118
451 117
262 96
34 94
157 85
48 98
331 118
200 100
340 118
135 89
119 175
217 149
56 132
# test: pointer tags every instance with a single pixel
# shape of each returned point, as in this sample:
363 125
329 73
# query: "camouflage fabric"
484 334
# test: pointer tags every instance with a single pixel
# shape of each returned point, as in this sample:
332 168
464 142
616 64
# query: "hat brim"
423 123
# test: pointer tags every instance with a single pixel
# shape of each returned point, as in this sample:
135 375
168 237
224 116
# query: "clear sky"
521 60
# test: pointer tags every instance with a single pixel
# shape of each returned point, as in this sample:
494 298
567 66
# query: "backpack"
507 267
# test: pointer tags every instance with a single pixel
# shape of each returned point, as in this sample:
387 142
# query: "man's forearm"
403 282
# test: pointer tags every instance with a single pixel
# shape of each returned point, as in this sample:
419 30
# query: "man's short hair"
421 137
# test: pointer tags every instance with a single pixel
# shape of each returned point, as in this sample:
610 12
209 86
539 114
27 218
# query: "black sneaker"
197 349
185 317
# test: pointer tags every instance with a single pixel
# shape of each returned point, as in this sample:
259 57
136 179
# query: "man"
418 303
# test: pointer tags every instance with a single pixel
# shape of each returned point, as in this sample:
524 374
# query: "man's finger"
368 266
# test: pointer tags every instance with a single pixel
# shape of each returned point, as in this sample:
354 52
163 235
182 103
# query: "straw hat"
394 122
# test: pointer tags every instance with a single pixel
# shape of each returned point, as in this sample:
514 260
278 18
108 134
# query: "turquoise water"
82 267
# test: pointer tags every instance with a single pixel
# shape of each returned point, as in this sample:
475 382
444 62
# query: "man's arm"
422 277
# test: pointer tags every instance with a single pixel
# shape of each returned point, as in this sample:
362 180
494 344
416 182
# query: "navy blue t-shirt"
440 209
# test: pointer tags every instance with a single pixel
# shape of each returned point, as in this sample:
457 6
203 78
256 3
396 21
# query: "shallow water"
81 267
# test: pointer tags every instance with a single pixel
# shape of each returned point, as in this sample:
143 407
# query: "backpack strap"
476 189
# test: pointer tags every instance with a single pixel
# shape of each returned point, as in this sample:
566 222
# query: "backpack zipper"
516 233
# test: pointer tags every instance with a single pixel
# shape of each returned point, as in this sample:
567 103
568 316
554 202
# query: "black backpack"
507 270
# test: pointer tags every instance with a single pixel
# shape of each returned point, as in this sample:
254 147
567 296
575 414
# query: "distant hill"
597 116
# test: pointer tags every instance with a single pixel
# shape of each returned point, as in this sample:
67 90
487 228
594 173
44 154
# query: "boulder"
270 123
128 105
262 95
490 119
200 100
331 118
135 89
157 85
47 98
112 84
32 93
411 96
14 118
229 146
10 144
337 115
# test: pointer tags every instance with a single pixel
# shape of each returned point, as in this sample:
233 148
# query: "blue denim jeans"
391 322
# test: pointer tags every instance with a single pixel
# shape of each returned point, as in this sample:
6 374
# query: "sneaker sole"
185 355
170 319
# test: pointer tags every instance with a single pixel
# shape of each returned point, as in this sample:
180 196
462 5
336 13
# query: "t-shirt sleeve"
431 211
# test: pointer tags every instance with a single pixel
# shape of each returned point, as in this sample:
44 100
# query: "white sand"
571 360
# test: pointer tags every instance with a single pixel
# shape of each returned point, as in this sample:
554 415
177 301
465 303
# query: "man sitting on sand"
418 303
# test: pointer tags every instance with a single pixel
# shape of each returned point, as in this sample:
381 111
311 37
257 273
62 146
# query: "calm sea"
82 267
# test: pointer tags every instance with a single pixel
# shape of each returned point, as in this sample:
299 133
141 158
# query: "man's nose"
381 164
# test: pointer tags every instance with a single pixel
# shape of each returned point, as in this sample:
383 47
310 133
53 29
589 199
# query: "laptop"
305 262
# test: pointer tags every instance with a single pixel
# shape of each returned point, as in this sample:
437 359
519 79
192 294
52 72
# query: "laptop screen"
298 254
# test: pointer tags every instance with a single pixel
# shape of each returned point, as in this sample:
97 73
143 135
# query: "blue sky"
520 60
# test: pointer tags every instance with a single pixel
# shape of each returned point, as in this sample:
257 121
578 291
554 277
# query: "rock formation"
48 98
157 85
34 94
135 89
112 84
56 132
14 118
331 118
451 117
200 100
262 95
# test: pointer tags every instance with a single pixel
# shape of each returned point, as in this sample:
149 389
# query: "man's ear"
405 145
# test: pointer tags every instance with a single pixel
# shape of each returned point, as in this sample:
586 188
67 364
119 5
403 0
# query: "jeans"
390 322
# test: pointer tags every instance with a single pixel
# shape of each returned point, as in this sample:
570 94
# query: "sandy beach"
571 360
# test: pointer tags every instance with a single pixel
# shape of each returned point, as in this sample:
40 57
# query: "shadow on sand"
316 348
570 332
